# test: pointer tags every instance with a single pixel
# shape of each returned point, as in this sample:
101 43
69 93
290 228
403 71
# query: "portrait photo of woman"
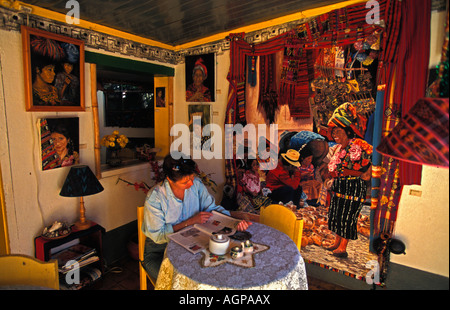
200 78
160 97
59 142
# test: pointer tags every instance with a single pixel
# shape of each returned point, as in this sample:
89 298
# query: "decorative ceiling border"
11 20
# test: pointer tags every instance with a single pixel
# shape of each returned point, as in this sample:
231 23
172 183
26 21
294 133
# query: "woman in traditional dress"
351 168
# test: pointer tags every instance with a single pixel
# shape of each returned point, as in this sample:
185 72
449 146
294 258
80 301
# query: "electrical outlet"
414 192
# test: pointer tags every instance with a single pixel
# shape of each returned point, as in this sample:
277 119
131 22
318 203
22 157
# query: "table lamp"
81 182
422 135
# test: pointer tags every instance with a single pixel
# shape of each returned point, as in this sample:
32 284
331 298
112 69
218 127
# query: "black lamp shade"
80 181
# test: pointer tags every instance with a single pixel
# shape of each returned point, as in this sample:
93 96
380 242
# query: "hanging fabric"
268 94
239 51
412 69
251 72
402 75
297 72
240 89
403 83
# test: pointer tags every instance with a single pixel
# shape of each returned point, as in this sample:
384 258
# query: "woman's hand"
243 225
198 95
328 183
200 218
366 176
203 217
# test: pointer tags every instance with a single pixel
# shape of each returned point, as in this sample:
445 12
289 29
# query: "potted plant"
113 143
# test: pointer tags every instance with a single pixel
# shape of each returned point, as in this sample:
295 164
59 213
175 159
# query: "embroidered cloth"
280 267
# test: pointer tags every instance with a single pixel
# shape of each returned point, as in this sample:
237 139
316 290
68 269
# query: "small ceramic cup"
236 252
248 246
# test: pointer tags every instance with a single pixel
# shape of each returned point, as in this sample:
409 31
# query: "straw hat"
292 157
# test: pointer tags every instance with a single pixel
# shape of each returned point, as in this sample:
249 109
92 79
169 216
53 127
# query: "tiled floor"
124 275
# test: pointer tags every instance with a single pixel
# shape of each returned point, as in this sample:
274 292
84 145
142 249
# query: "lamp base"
82 225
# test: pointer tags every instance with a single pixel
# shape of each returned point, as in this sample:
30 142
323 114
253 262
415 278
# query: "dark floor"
124 275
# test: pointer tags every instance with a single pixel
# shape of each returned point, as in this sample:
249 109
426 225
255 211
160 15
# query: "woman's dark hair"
249 163
61 129
40 62
305 152
176 169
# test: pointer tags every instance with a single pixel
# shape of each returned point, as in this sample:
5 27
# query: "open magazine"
196 238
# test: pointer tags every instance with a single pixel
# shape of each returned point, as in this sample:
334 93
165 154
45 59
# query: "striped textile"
412 68
422 136
268 94
348 194
239 50
297 72
407 29
240 117
49 156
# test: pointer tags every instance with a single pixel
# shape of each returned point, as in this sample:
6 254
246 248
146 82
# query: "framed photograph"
200 78
53 71
160 101
202 110
60 144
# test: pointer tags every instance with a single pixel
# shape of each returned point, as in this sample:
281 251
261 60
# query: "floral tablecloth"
280 267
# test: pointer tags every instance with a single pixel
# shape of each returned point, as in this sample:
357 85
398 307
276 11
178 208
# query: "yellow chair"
283 219
143 275
28 271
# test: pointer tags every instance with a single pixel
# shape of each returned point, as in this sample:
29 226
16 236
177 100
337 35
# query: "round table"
279 267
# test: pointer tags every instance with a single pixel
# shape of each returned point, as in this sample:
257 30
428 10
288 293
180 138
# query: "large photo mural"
321 94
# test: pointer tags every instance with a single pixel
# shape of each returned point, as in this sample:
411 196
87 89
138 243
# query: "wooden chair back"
283 219
23 270
143 275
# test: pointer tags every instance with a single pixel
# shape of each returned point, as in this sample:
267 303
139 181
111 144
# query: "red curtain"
403 76
404 73
412 68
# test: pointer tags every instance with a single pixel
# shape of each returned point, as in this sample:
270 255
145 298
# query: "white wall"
32 195
214 166
423 223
